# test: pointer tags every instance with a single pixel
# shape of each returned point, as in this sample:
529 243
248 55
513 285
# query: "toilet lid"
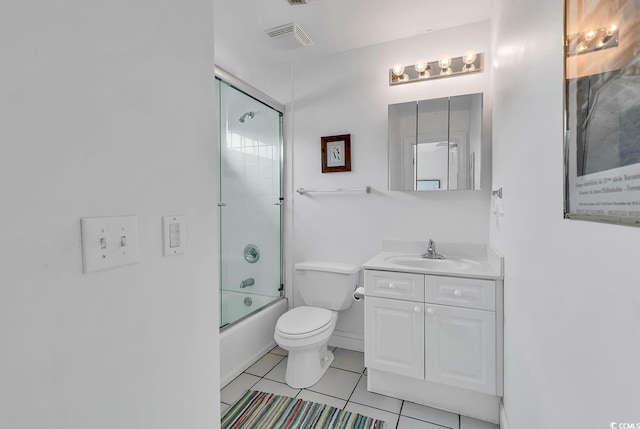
302 320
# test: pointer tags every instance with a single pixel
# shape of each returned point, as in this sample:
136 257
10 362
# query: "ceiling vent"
289 36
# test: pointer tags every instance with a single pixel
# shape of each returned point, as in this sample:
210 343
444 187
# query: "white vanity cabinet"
437 331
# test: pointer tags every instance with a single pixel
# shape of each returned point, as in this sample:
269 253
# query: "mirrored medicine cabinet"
436 144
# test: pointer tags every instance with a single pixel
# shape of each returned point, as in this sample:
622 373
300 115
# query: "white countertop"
461 260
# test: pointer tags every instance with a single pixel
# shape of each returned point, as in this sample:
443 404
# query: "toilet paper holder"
358 294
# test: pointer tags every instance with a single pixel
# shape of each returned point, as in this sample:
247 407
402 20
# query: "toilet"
326 288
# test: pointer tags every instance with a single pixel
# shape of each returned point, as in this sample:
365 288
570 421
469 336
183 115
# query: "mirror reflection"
435 144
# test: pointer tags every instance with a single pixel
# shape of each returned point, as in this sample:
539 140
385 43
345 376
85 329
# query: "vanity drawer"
461 292
386 284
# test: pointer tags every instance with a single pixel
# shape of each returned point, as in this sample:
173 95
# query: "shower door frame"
238 84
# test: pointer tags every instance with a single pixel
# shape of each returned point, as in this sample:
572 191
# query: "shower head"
249 114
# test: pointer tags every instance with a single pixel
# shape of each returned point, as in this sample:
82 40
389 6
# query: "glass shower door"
250 203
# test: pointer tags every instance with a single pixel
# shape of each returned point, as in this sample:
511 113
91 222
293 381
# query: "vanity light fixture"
592 40
444 67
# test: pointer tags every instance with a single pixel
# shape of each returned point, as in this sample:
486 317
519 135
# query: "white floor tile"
237 387
389 418
277 350
364 397
349 360
336 382
431 415
469 423
409 423
308 395
278 372
270 386
265 364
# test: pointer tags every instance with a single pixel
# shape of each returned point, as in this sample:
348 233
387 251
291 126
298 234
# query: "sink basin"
433 264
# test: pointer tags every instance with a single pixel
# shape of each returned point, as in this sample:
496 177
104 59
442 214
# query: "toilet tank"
327 285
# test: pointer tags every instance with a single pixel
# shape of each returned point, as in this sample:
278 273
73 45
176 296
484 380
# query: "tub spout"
248 282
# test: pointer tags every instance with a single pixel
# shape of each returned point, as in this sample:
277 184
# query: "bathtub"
244 342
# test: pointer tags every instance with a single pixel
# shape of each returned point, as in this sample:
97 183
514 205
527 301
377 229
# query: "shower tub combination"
250 212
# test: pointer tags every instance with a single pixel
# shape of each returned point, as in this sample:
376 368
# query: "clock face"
335 154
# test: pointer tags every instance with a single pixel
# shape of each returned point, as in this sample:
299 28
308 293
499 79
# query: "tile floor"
344 385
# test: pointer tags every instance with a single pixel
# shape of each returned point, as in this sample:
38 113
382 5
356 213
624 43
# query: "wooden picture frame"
336 153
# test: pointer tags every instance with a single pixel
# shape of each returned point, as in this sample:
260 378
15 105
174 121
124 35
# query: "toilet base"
306 367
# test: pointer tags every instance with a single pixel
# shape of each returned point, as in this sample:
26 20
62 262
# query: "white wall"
571 288
349 93
107 109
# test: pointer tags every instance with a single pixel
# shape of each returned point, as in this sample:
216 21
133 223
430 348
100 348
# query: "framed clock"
336 153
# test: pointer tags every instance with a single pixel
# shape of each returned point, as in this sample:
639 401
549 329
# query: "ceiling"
333 25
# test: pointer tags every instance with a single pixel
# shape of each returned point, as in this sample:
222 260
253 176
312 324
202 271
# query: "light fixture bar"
436 69
592 40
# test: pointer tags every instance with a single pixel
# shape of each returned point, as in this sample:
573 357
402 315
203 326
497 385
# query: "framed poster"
602 111
336 153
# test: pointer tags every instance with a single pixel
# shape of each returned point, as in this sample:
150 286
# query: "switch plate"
175 235
109 242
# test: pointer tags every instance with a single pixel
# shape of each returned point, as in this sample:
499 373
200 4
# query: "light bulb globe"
421 66
398 70
469 57
589 35
444 62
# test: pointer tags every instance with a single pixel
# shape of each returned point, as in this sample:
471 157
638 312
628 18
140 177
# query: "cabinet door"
394 336
461 347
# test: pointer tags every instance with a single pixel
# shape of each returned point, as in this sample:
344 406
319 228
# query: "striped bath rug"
257 409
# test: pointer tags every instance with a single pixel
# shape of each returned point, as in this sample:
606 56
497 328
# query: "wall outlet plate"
109 242
175 235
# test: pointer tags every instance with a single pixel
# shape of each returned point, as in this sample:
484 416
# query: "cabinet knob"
416 309
430 311
457 293
392 285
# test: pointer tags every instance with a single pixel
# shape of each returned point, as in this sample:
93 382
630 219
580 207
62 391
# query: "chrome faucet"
431 251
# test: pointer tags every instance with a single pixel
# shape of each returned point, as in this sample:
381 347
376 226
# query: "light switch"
174 235
174 232
109 242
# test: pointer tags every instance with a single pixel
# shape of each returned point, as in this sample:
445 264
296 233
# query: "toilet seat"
303 322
